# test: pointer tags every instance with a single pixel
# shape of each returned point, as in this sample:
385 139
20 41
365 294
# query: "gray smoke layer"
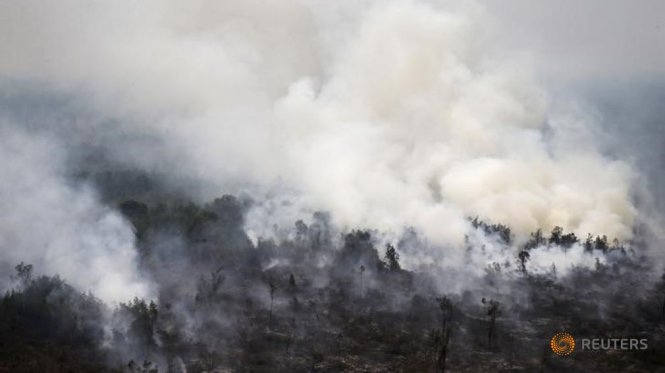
388 115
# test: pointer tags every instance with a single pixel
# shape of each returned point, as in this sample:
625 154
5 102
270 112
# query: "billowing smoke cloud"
62 228
397 116
417 126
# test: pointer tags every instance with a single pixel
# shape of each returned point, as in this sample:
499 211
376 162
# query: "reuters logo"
562 344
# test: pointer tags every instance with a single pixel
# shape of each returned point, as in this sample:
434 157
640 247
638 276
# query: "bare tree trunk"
490 333
272 297
443 351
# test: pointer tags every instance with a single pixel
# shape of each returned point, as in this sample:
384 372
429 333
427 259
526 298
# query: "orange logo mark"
562 344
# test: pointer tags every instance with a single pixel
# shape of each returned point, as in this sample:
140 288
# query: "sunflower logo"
562 344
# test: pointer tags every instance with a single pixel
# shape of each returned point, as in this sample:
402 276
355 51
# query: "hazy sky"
589 38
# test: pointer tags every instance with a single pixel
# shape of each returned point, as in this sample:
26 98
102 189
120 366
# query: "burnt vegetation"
319 300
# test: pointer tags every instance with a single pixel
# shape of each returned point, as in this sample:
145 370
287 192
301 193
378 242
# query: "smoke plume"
62 228
388 115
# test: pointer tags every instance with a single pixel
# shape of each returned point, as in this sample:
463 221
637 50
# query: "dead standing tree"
273 287
493 310
524 257
446 307
362 271
295 302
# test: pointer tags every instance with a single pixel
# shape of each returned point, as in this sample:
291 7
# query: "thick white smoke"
417 126
399 115
59 228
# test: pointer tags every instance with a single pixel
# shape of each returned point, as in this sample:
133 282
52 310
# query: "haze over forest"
294 185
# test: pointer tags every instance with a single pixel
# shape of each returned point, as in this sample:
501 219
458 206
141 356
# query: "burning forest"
353 186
